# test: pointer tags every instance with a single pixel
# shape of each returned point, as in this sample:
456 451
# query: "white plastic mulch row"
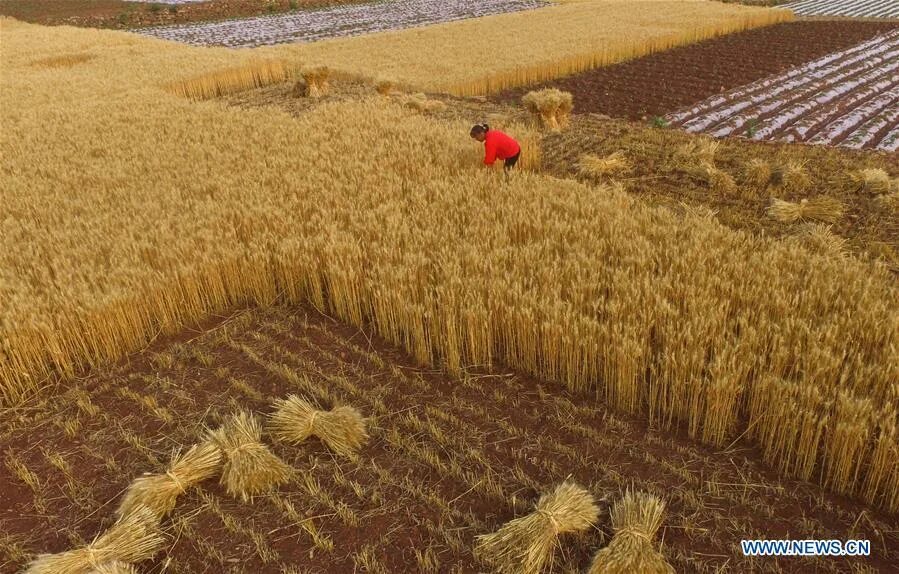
849 98
349 20
166 1
851 8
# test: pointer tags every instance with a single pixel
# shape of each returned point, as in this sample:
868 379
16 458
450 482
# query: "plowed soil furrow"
799 83
856 8
669 81
869 133
840 129
890 141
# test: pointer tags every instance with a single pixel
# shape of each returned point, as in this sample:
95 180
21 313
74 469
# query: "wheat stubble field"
171 257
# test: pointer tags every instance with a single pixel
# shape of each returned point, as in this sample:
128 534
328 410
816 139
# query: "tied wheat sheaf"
412 240
551 106
635 519
159 492
295 419
591 165
526 545
249 467
821 208
114 567
135 537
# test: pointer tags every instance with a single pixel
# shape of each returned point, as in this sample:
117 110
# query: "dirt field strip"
856 8
340 21
847 98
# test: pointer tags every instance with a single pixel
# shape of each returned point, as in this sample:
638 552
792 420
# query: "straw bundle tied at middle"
342 428
249 466
159 492
525 545
635 518
136 536
114 567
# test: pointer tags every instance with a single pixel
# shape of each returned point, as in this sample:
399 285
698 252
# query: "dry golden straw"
792 177
525 545
135 537
635 519
552 106
316 79
114 567
385 86
249 466
718 180
597 167
421 103
159 492
821 208
873 180
231 80
821 239
757 172
342 429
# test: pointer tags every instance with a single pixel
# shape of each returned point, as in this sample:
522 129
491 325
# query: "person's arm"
489 152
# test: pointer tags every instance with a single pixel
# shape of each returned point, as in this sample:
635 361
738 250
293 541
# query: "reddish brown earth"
448 459
121 14
654 85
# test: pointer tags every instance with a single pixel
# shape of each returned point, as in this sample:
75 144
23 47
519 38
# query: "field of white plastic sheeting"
351 20
851 8
849 98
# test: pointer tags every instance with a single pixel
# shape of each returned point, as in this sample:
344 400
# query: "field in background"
848 98
656 85
448 459
849 8
559 40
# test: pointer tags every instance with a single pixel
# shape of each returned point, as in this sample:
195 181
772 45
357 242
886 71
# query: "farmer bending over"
497 145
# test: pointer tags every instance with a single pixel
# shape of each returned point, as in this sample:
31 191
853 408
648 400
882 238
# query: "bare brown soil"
448 459
655 85
120 14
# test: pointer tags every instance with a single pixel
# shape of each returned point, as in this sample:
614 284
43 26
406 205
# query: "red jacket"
499 146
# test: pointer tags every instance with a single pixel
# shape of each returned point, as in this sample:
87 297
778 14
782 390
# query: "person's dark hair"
478 129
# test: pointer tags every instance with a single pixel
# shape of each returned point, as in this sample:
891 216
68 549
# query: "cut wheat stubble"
295 419
249 467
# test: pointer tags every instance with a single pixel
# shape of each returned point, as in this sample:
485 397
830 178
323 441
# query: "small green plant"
271 7
154 8
173 9
752 126
659 122
293 4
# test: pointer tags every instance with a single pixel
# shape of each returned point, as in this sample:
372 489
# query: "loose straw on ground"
635 519
594 166
135 537
159 492
525 545
342 429
114 567
872 180
249 466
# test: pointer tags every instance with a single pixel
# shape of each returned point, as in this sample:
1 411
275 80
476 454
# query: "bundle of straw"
635 519
525 545
873 180
792 178
719 180
594 166
114 567
295 419
316 79
552 106
820 238
136 536
158 492
757 172
385 86
698 150
421 103
249 466
822 208
889 202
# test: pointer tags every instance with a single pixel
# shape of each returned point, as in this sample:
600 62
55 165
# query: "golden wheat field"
488 54
248 325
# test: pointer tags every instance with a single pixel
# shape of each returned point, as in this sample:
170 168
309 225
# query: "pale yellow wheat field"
128 210
488 54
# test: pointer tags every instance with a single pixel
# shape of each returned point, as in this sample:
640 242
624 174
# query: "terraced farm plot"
670 80
307 26
850 8
848 98
448 459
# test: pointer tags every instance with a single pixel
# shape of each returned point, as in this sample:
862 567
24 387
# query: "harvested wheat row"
249 468
635 520
159 492
551 106
295 419
591 165
134 537
525 545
